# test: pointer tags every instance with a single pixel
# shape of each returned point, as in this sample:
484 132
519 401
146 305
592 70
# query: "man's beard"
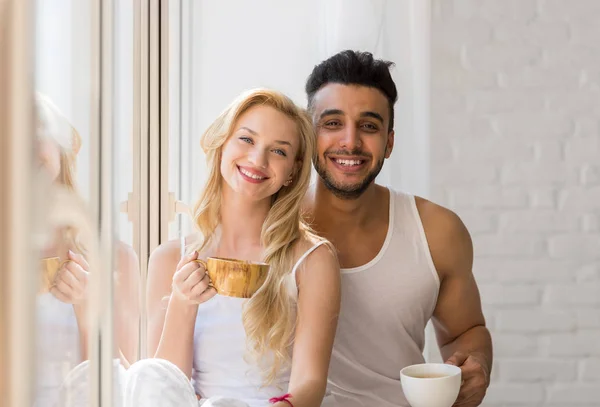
346 191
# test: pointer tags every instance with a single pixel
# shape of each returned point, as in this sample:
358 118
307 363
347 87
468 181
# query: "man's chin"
346 191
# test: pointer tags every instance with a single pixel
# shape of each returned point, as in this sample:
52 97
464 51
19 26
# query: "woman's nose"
258 158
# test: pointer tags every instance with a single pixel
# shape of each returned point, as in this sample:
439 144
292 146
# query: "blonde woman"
274 348
61 306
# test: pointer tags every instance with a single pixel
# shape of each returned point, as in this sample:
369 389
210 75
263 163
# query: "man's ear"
390 144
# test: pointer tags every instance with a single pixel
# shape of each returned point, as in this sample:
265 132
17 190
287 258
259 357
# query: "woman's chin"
254 193
256 196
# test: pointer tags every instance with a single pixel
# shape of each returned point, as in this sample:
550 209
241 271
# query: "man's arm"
458 319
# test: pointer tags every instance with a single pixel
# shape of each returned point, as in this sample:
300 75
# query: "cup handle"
203 263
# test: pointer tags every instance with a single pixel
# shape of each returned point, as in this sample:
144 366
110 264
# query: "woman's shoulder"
313 248
315 256
126 255
168 254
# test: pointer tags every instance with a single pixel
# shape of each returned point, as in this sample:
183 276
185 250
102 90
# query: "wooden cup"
235 278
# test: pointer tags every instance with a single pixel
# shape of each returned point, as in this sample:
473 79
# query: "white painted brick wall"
515 141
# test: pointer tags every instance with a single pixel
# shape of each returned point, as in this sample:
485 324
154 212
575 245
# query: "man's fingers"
473 368
474 386
457 359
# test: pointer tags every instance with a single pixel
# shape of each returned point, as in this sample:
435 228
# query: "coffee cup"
235 278
49 267
431 384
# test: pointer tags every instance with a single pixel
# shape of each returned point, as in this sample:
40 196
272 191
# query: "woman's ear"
295 170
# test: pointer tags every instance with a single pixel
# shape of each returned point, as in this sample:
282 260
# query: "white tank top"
386 305
220 368
57 347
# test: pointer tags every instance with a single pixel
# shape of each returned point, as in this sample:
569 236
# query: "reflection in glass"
68 238
61 304
63 301
126 309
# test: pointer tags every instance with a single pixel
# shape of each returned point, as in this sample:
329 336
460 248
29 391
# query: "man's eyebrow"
330 112
372 115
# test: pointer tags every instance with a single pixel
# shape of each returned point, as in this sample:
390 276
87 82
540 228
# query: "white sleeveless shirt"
386 305
57 347
219 367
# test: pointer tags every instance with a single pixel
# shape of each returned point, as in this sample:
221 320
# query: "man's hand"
475 378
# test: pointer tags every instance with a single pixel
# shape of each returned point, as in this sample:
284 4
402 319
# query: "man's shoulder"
438 221
449 240
432 212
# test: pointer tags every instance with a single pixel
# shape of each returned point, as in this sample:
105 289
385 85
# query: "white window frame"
16 104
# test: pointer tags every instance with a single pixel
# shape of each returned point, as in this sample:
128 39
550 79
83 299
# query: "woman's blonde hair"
52 124
268 316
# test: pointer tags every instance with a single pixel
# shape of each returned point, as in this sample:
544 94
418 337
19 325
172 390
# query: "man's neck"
329 212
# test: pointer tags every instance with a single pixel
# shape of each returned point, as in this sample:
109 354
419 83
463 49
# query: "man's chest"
356 249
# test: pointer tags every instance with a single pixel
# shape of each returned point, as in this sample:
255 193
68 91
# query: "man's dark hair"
354 68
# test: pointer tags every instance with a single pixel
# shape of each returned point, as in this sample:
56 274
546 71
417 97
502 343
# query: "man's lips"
348 163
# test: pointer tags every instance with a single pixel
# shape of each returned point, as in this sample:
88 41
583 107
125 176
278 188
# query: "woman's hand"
191 283
71 281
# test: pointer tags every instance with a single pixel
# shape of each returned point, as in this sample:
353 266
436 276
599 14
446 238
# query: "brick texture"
515 147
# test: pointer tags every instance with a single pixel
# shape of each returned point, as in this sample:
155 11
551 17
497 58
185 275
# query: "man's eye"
370 126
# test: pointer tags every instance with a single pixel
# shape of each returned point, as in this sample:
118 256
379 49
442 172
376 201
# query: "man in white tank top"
404 260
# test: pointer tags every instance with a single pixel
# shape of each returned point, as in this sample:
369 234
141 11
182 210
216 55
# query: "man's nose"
350 138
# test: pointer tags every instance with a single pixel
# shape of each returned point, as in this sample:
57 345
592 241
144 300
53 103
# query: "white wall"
516 152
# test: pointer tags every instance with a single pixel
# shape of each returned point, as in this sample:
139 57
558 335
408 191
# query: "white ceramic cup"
431 384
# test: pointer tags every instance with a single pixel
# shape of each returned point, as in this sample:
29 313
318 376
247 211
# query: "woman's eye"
246 140
280 152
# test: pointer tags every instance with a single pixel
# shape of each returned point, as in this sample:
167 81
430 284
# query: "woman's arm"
70 286
318 309
127 300
161 268
174 292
